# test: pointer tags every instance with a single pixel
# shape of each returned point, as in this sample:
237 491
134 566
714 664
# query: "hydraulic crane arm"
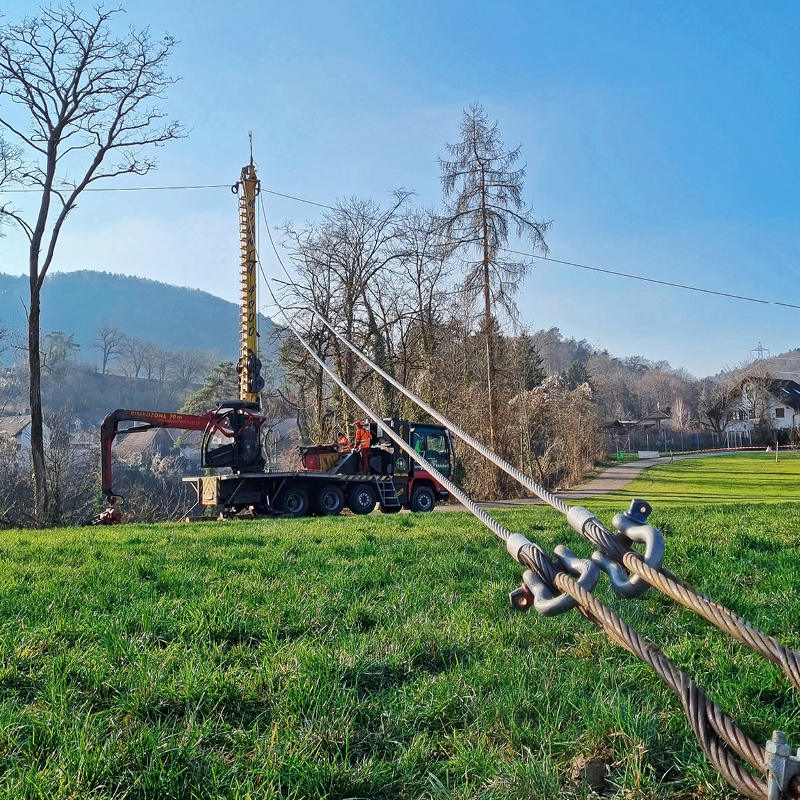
231 436
150 419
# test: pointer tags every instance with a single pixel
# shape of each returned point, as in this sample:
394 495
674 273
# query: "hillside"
171 316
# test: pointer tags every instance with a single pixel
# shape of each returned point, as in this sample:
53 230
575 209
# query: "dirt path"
610 480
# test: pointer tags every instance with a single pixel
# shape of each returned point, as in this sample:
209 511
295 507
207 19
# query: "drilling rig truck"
328 480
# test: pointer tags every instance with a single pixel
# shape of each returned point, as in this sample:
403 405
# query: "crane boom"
250 381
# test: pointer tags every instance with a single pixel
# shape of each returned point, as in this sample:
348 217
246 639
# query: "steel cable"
614 544
714 730
726 620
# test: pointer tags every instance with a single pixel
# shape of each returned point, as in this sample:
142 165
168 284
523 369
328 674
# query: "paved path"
610 480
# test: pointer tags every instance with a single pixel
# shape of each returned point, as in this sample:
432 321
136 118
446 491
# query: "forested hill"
170 316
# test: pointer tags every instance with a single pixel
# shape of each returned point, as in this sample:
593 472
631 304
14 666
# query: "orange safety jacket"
363 438
344 444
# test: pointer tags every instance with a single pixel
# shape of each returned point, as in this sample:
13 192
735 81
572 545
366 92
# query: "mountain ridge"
175 317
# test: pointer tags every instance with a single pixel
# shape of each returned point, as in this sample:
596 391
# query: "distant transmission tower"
759 352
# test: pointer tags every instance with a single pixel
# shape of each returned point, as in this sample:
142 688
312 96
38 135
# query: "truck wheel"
422 499
329 501
362 498
294 502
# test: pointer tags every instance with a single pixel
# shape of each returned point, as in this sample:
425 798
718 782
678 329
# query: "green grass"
367 658
743 477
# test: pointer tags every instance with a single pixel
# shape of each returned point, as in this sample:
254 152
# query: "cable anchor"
633 525
780 764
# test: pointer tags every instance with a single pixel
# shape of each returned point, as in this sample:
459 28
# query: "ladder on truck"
388 493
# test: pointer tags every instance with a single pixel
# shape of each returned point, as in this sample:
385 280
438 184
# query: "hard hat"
359 423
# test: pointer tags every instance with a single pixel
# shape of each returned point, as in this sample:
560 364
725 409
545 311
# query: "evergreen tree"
483 194
528 363
221 383
577 375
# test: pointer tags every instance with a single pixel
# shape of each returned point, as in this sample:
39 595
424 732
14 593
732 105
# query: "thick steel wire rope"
714 731
711 727
615 545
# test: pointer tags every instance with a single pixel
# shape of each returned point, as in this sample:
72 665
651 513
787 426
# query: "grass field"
368 658
742 477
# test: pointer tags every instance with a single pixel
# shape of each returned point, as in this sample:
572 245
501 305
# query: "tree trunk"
490 343
35 397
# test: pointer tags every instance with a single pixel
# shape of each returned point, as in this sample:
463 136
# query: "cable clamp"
578 516
587 574
780 764
632 525
515 543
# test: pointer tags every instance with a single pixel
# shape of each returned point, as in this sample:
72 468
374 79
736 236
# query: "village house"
773 403
15 431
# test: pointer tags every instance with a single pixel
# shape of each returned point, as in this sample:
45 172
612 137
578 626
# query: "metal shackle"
630 525
544 602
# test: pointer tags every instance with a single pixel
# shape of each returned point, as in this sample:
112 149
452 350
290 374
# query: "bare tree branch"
82 97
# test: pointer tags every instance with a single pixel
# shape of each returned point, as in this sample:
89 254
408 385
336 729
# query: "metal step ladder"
388 494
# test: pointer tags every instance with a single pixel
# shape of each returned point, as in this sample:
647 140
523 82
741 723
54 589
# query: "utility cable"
275 193
615 545
653 280
601 270
714 731
121 188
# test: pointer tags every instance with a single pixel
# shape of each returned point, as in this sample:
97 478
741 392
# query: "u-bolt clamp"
544 602
633 525
781 765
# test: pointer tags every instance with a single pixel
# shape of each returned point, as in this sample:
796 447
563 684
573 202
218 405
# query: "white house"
15 429
776 402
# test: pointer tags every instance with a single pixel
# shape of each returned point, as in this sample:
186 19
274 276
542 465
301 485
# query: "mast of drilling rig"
249 368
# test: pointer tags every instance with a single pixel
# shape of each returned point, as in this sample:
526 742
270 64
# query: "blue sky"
661 139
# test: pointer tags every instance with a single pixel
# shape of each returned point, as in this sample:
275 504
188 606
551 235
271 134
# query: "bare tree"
110 342
83 107
188 367
715 404
134 351
337 263
483 192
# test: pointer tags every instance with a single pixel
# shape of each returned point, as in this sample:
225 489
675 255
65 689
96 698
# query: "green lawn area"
743 477
367 658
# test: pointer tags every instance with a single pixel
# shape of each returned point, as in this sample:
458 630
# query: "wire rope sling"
555 585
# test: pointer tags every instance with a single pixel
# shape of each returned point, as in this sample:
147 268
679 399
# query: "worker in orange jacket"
363 439
342 442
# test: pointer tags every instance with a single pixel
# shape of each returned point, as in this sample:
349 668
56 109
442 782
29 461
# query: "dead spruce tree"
83 106
483 196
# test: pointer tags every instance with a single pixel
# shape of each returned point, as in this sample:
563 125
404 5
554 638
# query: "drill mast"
249 368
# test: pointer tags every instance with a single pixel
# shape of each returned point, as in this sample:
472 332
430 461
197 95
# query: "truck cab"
415 488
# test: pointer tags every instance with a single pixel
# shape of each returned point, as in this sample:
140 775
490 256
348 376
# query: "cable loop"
550 605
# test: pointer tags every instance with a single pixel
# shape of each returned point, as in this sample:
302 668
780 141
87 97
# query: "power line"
654 280
298 199
121 188
615 273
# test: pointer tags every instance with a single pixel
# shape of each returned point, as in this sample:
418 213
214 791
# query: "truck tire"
329 501
423 499
293 501
362 498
